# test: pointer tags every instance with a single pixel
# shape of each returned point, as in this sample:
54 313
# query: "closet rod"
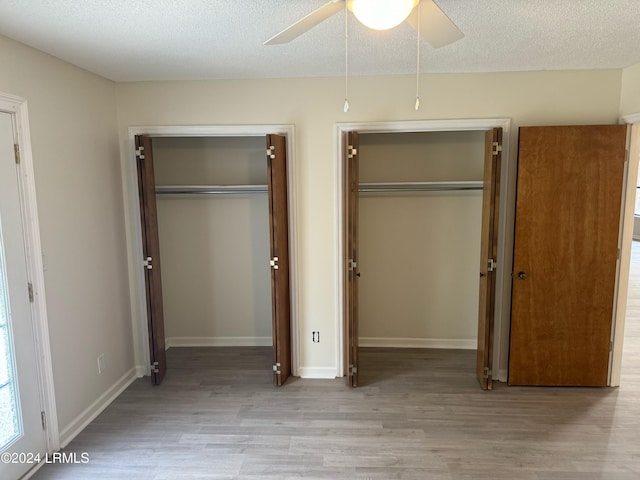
418 186
209 189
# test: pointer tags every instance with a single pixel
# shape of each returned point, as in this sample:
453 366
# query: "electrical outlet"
101 363
316 337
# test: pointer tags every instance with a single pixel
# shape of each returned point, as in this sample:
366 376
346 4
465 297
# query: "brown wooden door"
279 235
351 273
569 194
151 253
488 254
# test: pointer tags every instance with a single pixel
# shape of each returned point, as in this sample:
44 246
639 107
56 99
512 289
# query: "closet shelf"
209 189
418 186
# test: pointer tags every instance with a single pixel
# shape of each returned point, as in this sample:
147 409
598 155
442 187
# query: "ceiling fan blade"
307 23
436 27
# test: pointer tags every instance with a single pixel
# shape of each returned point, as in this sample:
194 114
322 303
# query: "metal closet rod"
209 189
419 186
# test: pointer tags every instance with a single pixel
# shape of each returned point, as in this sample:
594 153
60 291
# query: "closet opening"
215 237
420 251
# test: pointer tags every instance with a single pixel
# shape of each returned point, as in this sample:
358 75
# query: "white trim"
35 271
503 284
218 342
631 118
318 372
130 181
33 470
442 343
96 408
624 263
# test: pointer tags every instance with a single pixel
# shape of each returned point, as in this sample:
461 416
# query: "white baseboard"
390 342
218 342
317 372
141 371
96 408
502 375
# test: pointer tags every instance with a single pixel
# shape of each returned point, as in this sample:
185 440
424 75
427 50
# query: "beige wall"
214 250
419 252
314 106
79 183
630 96
79 192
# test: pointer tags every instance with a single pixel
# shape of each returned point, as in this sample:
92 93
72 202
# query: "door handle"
522 275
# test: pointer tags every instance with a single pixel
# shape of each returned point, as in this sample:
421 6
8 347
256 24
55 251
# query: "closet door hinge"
271 152
497 148
352 370
147 263
154 368
491 265
43 419
16 152
351 152
140 153
274 263
487 373
352 265
30 288
276 368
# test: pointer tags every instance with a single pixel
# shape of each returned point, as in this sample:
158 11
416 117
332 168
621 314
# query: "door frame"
132 207
17 107
503 280
626 236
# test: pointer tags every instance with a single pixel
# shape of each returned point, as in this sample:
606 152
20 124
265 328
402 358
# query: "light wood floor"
419 415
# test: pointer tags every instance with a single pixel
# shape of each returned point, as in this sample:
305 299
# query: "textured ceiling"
130 40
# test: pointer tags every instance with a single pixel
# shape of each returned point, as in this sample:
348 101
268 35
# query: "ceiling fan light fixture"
382 14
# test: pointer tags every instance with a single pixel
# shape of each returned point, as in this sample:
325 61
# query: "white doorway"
500 318
20 419
28 424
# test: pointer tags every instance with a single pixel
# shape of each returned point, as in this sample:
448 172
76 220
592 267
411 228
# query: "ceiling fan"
423 15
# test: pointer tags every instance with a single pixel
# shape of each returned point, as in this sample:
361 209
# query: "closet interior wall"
214 247
419 251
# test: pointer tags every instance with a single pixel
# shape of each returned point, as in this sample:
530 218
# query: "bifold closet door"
568 205
488 254
151 254
279 235
351 273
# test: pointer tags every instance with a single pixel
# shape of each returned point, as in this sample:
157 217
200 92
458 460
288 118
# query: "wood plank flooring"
419 414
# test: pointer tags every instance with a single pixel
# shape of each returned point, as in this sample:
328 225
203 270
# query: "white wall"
630 95
419 253
79 192
214 250
314 106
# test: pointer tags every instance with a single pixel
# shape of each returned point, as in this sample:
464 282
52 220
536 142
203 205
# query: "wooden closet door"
351 274
569 194
151 254
488 254
279 235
